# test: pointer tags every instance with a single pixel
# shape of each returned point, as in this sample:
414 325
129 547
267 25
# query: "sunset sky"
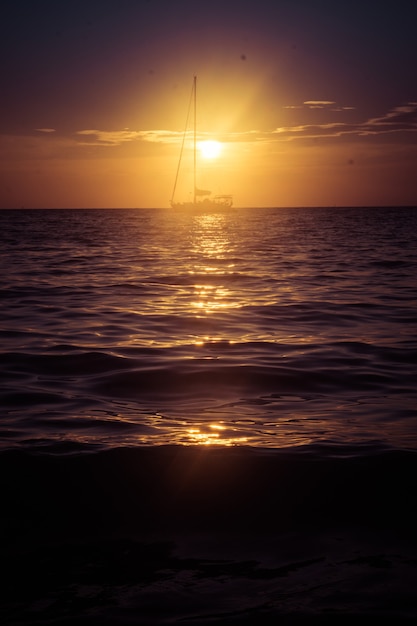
313 102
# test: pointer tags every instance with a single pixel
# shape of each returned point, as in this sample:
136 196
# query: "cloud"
45 130
318 104
399 119
340 108
107 137
118 137
161 136
328 105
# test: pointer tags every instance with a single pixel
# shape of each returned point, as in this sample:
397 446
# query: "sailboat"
201 197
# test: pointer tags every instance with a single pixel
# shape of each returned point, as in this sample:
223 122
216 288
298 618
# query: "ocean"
265 327
240 373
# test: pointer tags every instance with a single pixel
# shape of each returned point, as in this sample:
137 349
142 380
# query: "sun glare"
210 149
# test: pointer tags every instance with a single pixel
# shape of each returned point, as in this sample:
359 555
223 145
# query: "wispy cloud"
318 104
45 130
107 137
117 137
328 105
399 119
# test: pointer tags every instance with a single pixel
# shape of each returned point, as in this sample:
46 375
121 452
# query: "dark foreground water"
208 417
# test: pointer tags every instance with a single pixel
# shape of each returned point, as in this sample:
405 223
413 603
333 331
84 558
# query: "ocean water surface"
208 417
268 328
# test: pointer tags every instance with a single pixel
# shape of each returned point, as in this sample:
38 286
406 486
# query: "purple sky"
314 102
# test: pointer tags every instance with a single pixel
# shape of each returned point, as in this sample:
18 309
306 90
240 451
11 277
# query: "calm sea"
208 417
268 328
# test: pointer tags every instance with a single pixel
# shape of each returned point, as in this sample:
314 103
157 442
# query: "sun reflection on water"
210 235
211 244
211 298
212 435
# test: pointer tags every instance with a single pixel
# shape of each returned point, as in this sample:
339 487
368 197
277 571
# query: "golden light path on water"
212 436
212 243
216 410
228 422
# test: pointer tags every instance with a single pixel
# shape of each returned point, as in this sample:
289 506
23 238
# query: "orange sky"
312 107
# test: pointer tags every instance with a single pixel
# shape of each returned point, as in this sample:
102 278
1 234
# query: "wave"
218 392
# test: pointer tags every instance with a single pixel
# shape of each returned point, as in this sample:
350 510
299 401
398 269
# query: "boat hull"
207 203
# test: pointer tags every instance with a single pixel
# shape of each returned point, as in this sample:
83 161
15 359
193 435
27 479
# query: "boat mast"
218 200
195 136
183 142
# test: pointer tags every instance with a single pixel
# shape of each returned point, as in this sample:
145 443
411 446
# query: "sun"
210 149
